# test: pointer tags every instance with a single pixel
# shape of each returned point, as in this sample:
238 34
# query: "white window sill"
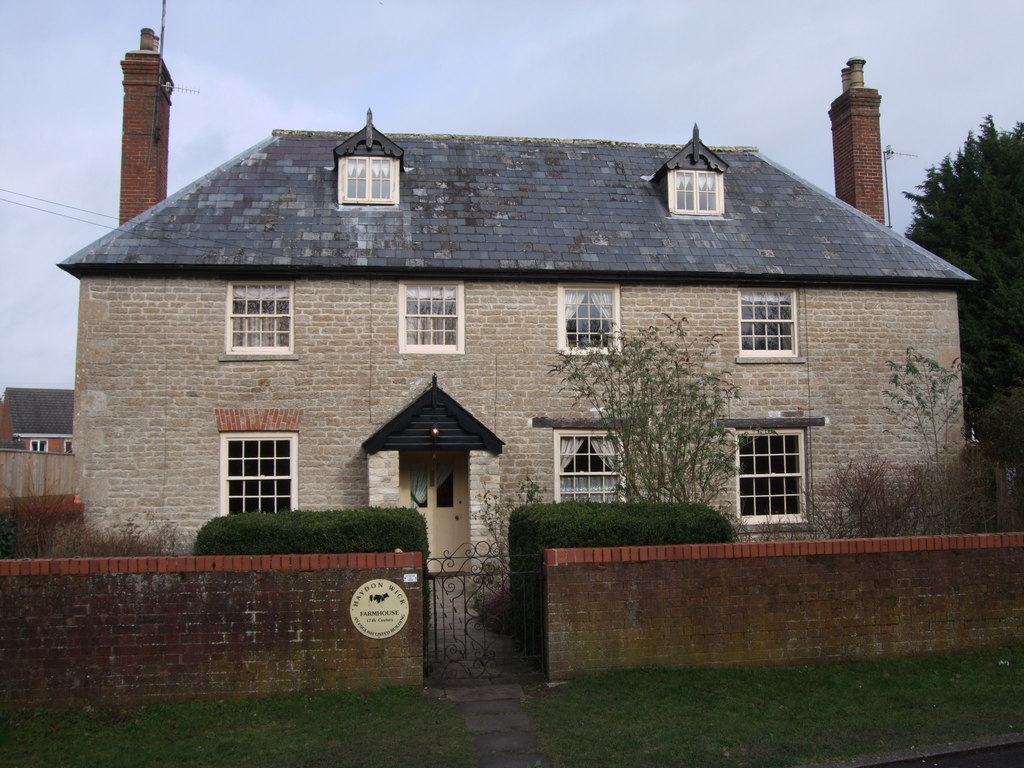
768 359
412 351
256 358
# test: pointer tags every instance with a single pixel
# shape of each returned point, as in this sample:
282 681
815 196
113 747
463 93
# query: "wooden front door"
437 484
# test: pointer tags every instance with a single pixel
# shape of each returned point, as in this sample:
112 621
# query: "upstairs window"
369 165
368 180
695 192
588 315
431 318
767 323
260 318
694 180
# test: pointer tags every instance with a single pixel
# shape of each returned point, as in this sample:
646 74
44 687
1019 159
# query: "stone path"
501 730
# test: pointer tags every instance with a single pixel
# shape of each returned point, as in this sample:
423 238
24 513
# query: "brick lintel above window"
258 419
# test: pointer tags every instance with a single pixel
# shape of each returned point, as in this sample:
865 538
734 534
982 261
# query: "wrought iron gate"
485 613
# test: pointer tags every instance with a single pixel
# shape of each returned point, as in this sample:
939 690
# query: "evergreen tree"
970 211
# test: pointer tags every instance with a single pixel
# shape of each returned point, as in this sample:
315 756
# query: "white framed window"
767 323
585 467
588 315
771 475
68 447
696 192
259 318
38 445
431 318
368 180
258 472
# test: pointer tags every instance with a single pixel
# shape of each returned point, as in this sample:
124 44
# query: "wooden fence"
30 473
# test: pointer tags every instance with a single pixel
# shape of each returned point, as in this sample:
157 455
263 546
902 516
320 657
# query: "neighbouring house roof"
537 207
44 412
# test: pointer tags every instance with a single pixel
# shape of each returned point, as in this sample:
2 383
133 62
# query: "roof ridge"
341 135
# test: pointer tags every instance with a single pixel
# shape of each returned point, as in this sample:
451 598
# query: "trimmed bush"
8 537
300 532
536 527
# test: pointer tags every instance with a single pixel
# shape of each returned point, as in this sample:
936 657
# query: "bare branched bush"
660 396
871 497
39 520
128 540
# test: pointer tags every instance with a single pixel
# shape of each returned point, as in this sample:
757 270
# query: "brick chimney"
857 143
147 108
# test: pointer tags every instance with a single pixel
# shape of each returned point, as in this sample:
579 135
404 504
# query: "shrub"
872 497
374 529
496 610
536 527
8 536
83 539
41 520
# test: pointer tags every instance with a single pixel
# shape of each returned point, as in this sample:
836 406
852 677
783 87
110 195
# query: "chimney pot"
149 41
856 72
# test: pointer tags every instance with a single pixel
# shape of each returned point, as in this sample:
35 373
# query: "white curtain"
418 484
443 471
604 448
569 448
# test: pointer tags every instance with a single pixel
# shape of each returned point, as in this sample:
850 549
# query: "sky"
749 72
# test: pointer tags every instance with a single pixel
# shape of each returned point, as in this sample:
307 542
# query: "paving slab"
517 741
489 706
499 722
483 692
498 760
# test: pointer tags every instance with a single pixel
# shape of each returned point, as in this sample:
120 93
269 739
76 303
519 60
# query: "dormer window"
694 180
695 192
369 167
368 180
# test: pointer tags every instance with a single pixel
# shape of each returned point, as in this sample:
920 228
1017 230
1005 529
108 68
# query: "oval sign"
379 608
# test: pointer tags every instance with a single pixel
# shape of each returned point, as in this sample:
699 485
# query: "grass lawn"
762 718
395 727
717 718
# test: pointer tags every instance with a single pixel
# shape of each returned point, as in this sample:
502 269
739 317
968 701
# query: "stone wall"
780 603
130 630
153 375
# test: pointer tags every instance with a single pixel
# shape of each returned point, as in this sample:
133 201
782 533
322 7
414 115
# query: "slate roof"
479 205
46 412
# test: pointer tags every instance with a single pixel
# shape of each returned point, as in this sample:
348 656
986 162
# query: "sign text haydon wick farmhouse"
379 608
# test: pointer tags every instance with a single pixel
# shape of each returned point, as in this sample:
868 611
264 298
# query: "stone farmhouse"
339 320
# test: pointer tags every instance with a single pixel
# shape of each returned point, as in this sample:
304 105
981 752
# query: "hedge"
8 537
536 527
299 532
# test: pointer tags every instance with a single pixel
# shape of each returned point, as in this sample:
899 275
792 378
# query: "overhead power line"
153 233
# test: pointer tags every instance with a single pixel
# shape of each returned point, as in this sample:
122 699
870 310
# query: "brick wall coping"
87 566
555 557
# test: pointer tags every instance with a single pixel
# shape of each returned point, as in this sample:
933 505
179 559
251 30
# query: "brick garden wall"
128 630
780 603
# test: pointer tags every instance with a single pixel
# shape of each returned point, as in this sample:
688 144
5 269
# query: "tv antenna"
169 87
886 156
